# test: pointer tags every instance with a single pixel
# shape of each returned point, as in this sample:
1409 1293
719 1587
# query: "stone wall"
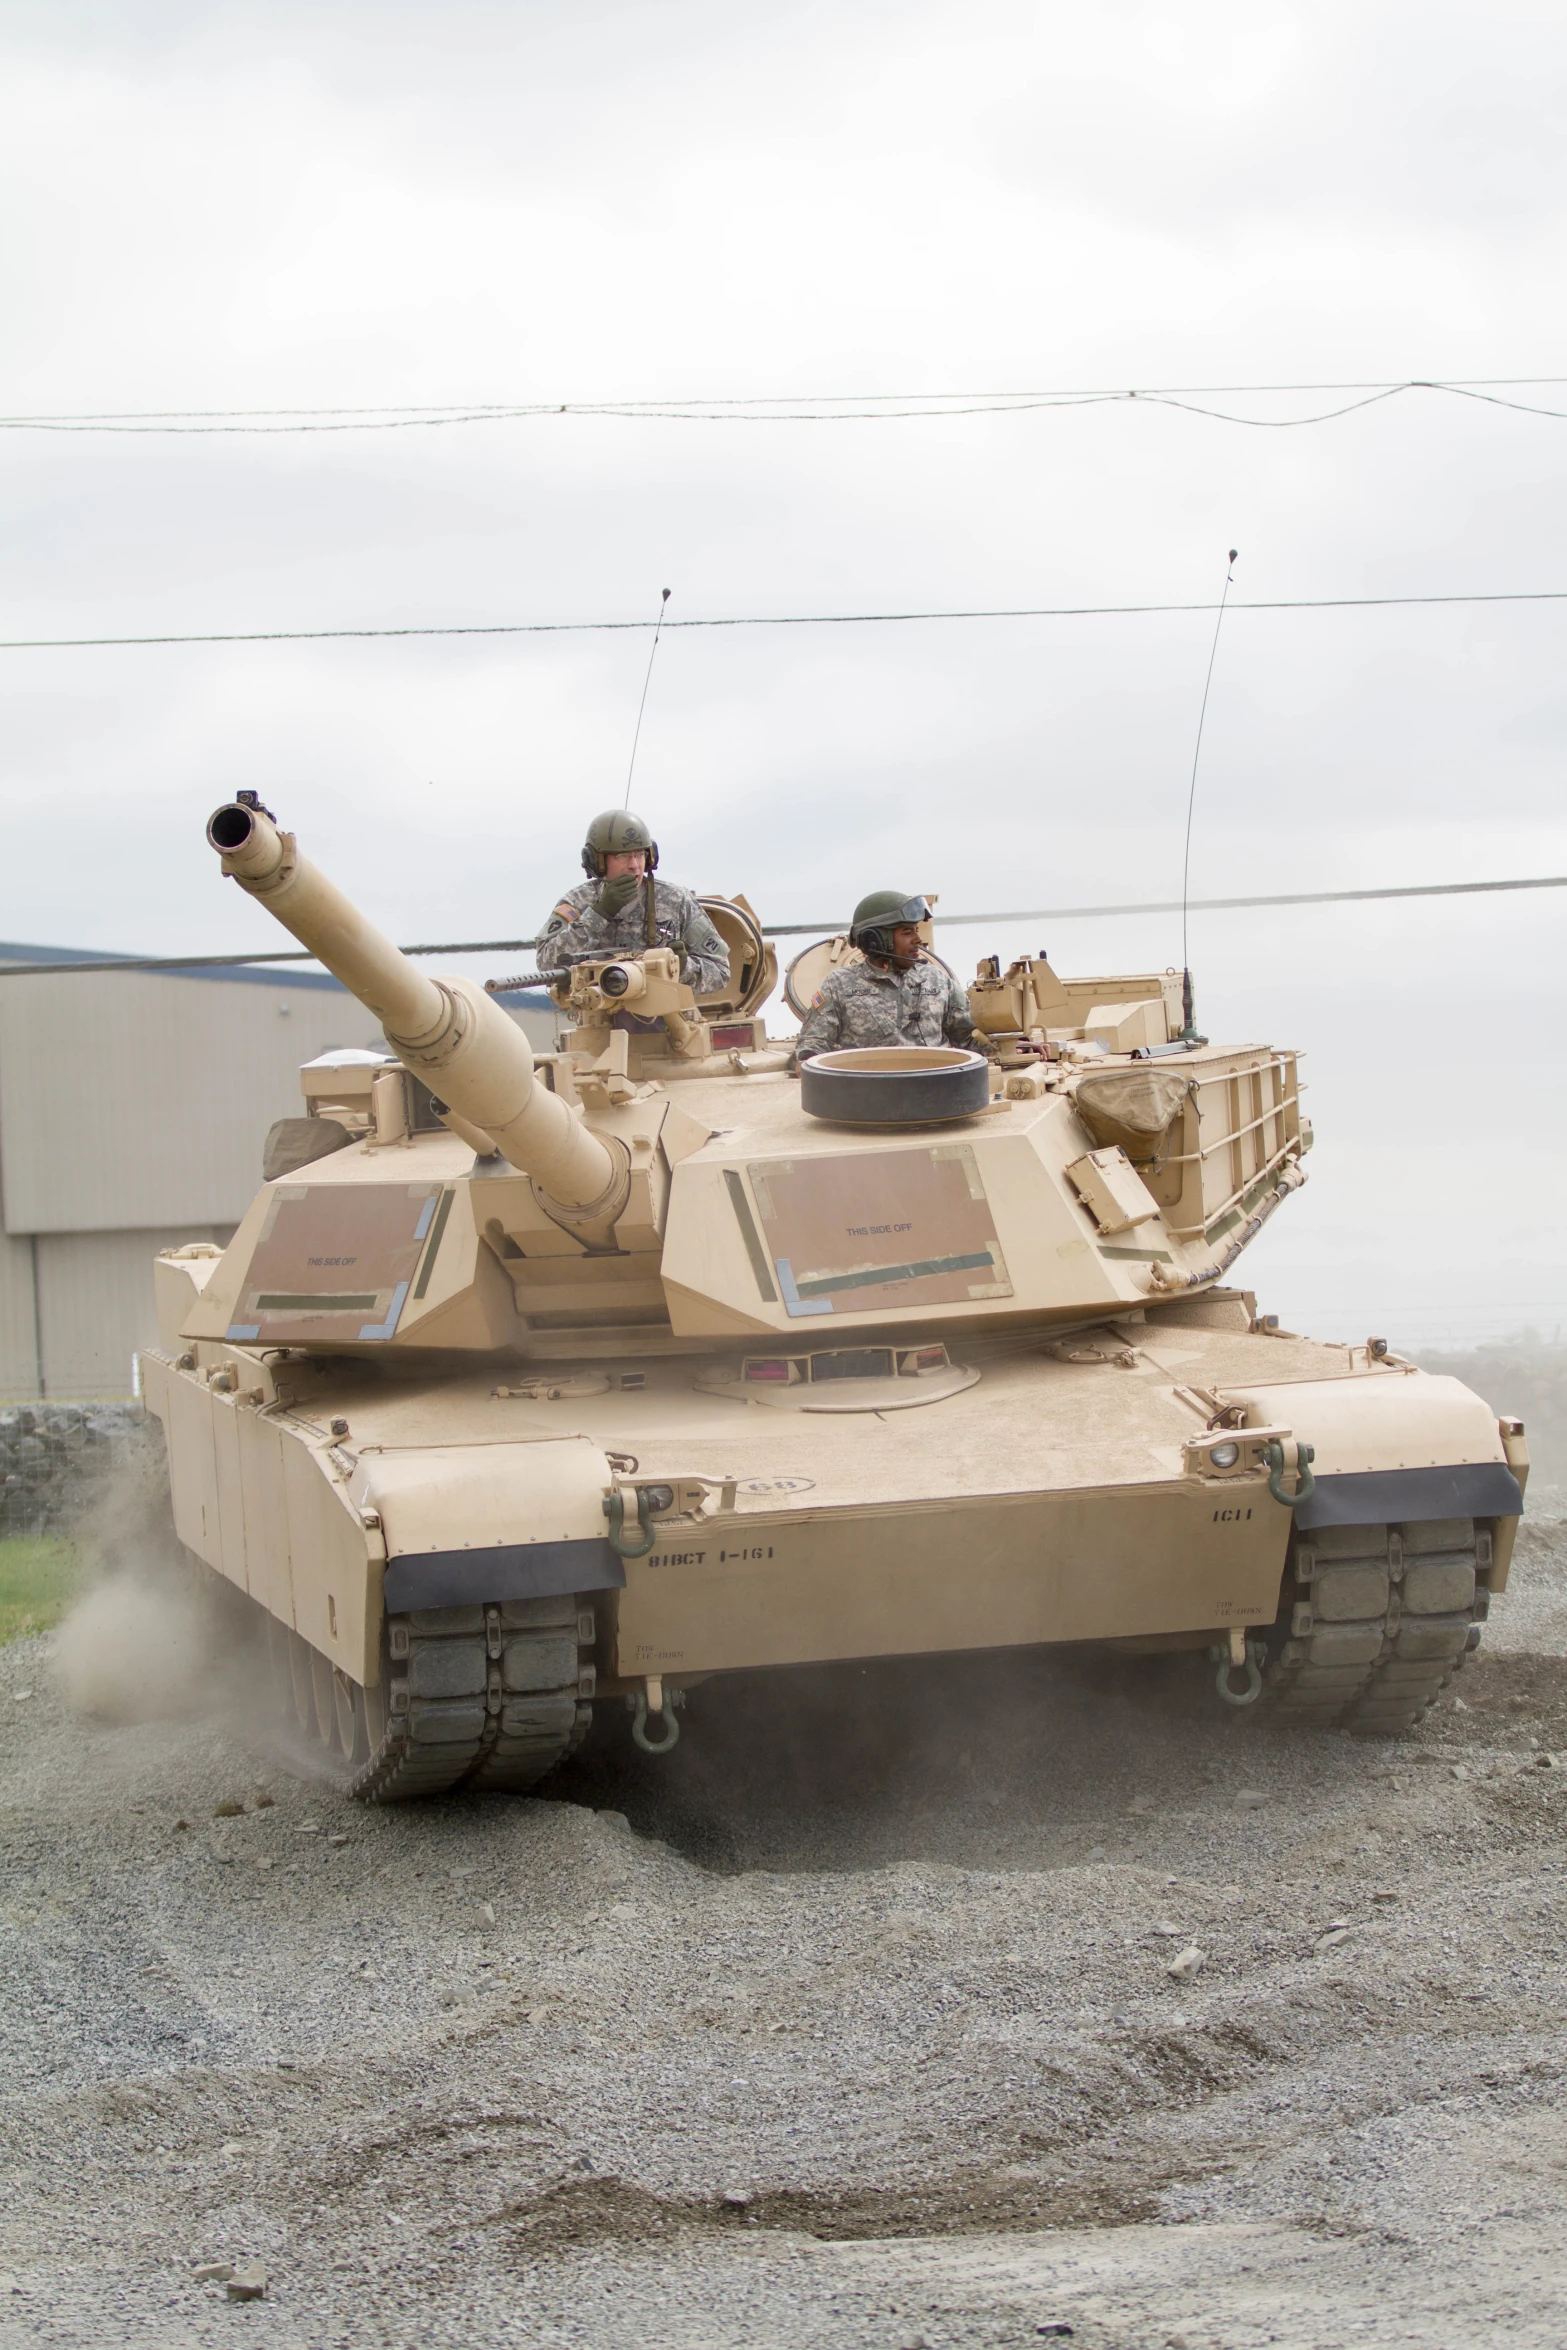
54 1459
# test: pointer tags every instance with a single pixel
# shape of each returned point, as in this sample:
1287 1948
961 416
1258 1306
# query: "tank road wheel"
488 1698
352 1743
324 1695
312 1699
303 1682
370 1710
1376 1620
280 1666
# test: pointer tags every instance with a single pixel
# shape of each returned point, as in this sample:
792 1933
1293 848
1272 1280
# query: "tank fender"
469 1524
1390 1446
267 1503
1506 1531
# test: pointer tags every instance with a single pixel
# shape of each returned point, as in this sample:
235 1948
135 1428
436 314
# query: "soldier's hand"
613 895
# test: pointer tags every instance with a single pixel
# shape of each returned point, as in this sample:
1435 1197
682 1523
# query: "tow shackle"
1305 1483
615 1511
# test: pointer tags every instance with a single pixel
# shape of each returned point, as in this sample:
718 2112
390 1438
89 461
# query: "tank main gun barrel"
448 1031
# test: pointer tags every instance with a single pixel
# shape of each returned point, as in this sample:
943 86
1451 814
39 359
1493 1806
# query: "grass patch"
38 1581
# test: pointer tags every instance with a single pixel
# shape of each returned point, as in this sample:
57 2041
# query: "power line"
512 946
784 408
291 636
1314 897
460 946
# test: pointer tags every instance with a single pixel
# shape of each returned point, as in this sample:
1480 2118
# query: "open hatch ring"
895 1085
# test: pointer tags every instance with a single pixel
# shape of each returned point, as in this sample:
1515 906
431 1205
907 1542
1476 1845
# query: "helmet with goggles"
878 916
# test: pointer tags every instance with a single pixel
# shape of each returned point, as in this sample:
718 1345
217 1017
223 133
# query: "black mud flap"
506 1570
1387 1497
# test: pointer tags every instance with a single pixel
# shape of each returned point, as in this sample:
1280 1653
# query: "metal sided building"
133 1109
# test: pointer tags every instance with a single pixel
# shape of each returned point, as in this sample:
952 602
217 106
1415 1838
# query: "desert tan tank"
535 1382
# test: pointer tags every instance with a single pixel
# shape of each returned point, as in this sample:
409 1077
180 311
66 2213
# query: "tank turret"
1074 1172
531 1379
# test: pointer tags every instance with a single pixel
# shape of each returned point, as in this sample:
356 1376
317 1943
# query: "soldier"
621 909
895 996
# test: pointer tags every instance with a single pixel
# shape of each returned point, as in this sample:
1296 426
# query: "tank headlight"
658 1498
1224 1456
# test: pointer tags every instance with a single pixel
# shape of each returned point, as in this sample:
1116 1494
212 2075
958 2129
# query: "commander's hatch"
753 961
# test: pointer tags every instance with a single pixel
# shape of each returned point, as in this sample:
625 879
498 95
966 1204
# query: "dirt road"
852 2024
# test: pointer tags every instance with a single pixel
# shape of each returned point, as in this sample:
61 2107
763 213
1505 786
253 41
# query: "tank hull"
1055 1499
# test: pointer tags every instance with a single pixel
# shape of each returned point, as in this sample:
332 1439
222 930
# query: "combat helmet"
616 830
875 919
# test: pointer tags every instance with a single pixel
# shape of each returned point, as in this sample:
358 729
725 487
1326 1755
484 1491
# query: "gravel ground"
851 2024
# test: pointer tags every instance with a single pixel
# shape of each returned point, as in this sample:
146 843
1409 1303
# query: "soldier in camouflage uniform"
622 908
895 996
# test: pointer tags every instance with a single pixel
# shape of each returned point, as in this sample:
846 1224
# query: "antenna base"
1188 1036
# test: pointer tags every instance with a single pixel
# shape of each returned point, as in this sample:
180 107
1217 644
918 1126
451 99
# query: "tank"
534 1383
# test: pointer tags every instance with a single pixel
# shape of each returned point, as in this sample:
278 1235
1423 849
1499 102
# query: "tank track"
1376 1620
483 1699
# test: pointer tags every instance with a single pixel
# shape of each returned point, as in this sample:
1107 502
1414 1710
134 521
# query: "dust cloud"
138 1645
131 1652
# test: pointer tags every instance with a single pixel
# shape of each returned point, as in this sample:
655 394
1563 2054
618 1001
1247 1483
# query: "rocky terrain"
961 2003
927 2004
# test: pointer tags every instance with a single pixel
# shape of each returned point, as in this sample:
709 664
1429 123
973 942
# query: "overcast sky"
214 207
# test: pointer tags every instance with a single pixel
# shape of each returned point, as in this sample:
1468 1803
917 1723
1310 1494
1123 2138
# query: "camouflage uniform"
861 1003
577 933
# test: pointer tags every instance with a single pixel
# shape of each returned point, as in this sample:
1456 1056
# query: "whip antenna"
1189 1034
642 705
